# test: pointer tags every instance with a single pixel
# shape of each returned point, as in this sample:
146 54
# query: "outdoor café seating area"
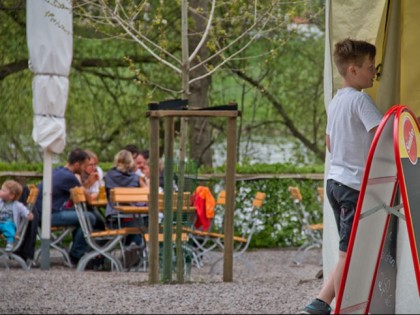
199 247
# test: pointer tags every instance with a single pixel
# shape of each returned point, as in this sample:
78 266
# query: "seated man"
62 209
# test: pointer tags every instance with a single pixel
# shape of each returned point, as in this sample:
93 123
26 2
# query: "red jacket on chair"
204 203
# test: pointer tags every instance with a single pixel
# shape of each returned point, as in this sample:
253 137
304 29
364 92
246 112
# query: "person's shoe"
74 260
319 274
132 256
9 247
98 263
107 266
317 306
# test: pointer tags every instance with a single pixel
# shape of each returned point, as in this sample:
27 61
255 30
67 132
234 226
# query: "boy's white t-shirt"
351 114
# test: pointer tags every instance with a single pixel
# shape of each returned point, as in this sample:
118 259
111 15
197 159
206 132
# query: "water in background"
268 151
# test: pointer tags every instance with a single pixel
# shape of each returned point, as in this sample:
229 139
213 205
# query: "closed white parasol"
50 44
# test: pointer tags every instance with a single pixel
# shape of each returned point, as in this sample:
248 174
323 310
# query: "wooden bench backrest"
259 199
257 202
221 199
320 191
33 194
78 195
186 200
295 193
123 195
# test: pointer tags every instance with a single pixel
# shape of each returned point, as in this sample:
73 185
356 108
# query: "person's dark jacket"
115 178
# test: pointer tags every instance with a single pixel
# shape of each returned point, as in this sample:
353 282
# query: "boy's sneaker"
9 247
74 260
317 306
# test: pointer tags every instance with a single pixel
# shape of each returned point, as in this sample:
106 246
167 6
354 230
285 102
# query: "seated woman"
122 175
92 176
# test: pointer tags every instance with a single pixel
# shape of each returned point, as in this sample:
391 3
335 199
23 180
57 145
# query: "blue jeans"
68 217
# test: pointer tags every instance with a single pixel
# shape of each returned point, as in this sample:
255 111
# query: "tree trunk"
199 128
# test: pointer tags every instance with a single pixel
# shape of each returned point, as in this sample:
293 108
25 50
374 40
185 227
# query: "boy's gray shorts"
343 201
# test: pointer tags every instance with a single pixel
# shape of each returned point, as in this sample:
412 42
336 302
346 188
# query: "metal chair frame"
207 242
312 232
101 242
242 242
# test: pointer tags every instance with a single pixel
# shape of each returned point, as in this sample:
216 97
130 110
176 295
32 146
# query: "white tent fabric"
392 26
50 43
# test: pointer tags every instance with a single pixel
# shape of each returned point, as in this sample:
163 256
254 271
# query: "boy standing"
351 124
11 211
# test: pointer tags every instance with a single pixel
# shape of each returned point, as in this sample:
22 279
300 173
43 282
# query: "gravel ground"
275 286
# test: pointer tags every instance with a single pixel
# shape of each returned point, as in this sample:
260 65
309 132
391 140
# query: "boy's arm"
327 142
24 211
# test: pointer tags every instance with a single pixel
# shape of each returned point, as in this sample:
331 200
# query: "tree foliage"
277 81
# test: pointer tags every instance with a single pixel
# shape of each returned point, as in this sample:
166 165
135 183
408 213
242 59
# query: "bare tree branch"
142 40
287 121
14 67
205 34
77 63
237 39
225 60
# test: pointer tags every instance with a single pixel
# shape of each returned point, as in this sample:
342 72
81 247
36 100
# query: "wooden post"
168 197
230 199
153 202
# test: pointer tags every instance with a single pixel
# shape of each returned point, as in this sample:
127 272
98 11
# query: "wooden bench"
212 234
184 237
134 201
206 241
102 242
124 199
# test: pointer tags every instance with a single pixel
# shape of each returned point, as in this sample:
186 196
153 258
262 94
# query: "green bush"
279 225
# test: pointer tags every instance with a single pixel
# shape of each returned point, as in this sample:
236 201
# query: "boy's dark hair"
77 155
144 153
133 149
350 51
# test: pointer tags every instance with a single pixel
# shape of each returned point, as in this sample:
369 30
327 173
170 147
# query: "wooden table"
98 203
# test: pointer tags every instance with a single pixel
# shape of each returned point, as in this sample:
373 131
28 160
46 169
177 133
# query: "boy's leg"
327 292
339 271
9 231
343 201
